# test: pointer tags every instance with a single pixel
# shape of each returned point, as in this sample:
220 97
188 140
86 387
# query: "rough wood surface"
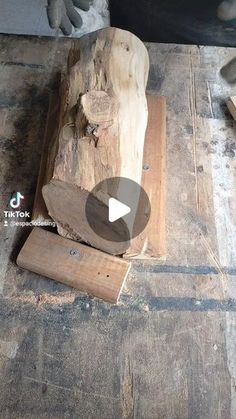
74 264
100 134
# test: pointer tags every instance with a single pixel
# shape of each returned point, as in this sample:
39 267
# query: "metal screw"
146 167
91 128
74 252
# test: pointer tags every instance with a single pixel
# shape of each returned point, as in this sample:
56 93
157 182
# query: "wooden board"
74 264
152 242
231 104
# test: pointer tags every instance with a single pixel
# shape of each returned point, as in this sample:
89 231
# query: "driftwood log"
101 130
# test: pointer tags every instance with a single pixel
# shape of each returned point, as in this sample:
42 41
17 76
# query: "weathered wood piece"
74 264
102 128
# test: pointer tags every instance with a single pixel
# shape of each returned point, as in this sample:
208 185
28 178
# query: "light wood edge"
231 104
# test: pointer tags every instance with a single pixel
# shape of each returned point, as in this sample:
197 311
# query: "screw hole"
108 276
98 273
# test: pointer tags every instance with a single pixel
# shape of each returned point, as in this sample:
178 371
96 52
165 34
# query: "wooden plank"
74 264
151 243
231 104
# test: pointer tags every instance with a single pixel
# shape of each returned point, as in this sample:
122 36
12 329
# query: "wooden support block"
151 243
74 264
231 104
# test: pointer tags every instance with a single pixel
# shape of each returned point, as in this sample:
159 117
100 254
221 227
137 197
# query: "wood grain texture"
151 243
74 264
102 127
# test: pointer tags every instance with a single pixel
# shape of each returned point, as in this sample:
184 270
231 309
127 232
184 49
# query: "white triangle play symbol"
117 210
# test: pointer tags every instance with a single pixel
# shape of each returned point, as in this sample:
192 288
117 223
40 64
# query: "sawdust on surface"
57 299
43 299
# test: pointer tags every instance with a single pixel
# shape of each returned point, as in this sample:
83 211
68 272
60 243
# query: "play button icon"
117 210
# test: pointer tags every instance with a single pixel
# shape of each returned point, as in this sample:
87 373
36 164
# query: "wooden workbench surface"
168 349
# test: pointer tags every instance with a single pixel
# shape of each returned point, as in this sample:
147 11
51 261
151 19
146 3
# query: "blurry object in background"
228 72
97 17
227 10
171 21
76 16
29 17
62 14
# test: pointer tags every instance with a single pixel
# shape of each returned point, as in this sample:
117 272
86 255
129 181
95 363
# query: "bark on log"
101 133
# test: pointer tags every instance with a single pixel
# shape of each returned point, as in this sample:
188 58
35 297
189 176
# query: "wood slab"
74 264
151 244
